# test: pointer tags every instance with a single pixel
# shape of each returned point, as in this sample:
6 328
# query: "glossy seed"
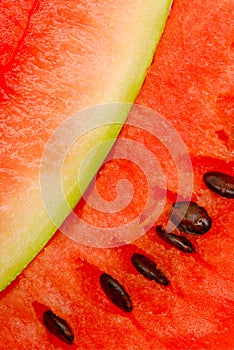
220 183
176 241
147 268
115 292
191 218
58 327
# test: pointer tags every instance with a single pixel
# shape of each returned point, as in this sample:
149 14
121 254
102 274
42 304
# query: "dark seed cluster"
58 327
189 217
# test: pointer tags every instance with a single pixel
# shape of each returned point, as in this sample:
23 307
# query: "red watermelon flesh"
191 86
193 80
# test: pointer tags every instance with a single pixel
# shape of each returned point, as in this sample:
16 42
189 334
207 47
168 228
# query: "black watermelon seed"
220 183
148 269
195 220
176 241
115 292
58 327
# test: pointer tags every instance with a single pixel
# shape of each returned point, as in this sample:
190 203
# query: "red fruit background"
191 84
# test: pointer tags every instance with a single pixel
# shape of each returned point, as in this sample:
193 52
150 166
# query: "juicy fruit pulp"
189 83
61 58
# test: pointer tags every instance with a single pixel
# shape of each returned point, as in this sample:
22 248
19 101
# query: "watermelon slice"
82 55
190 84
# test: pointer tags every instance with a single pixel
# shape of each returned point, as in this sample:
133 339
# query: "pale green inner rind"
28 227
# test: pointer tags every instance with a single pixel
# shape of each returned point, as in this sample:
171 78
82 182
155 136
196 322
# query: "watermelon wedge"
190 84
82 55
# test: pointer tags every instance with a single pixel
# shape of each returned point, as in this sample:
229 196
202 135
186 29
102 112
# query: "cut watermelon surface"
190 84
196 85
74 56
